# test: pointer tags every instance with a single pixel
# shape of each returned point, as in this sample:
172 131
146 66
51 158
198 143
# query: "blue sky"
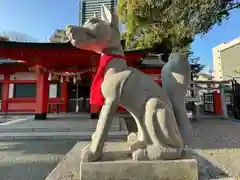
40 18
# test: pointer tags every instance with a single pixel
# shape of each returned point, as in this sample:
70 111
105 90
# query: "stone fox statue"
176 77
117 84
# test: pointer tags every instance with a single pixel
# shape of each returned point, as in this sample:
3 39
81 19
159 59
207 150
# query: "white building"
226 60
59 36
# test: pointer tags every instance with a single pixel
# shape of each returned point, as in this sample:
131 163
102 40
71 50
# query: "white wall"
24 76
217 59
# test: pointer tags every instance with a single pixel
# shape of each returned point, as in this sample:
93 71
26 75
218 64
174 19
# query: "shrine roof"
56 55
55 46
59 56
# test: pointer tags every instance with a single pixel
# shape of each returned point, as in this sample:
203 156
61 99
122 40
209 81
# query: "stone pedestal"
117 164
186 169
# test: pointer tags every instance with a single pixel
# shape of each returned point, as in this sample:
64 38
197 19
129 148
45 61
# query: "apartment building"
226 60
87 8
59 36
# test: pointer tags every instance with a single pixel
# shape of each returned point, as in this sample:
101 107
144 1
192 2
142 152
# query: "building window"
59 31
25 90
57 37
65 39
209 98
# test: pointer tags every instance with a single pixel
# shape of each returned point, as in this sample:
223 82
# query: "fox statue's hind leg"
161 126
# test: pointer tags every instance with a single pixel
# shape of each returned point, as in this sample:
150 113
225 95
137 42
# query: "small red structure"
26 87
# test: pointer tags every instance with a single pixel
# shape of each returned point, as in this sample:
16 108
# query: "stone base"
117 160
186 169
40 116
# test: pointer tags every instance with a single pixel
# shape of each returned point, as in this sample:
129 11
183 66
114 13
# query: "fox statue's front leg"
111 91
93 152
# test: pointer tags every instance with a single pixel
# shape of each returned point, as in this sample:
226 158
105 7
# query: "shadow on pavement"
207 170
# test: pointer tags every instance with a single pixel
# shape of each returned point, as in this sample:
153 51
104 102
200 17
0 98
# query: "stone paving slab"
61 123
50 129
31 160
7 119
81 136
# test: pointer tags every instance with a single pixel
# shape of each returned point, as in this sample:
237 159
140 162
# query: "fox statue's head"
100 35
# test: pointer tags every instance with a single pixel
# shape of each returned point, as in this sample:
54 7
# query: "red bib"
96 96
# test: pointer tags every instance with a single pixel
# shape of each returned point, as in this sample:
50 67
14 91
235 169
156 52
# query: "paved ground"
58 127
31 160
10 118
60 122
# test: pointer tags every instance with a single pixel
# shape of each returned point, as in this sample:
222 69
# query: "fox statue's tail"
176 77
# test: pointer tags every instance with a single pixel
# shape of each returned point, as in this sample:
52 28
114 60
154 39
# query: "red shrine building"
54 77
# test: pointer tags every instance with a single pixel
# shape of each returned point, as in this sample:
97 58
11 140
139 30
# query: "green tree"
168 22
197 66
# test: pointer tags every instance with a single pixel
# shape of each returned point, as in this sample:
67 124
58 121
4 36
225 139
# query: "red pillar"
64 96
218 103
42 95
5 93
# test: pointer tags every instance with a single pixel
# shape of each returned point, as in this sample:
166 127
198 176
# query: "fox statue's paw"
88 156
140 155
157 152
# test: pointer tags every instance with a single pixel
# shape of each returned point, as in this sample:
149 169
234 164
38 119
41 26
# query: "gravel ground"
216 145
31 160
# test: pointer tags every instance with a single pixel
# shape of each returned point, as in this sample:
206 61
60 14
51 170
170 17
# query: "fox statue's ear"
109 17
106 14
